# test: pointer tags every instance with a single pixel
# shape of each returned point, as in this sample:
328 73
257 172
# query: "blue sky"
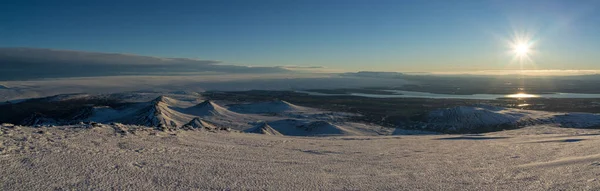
342 34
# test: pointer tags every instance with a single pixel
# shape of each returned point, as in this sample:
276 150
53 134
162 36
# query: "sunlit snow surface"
134 158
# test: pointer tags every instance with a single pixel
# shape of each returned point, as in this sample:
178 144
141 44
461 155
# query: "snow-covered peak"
198 123
209 108
207 104
264 128
165 100
157 113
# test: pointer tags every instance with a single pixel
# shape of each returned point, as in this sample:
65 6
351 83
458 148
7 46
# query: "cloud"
32 63
310 69
523 72
227 82
301 67
373 74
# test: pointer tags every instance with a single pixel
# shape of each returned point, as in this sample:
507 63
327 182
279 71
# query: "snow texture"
124 157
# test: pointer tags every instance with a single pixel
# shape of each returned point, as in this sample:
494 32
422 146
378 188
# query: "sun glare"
521 95
521 49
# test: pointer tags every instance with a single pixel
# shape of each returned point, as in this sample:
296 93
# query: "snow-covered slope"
325 128
106 157
296 127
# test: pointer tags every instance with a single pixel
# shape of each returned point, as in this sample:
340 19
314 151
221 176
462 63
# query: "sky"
345 35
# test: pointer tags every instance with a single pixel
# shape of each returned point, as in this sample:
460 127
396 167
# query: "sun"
521 49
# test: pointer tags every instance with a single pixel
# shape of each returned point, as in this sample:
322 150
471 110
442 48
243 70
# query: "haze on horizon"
334 35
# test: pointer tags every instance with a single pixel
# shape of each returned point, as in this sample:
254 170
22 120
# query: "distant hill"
485 118
370 74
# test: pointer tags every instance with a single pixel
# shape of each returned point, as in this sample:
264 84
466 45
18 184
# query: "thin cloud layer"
523 72
301 67
31 63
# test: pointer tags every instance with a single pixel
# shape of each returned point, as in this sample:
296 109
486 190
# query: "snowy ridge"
168 112
181 110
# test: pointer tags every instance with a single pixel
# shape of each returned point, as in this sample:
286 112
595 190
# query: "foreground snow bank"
107 157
